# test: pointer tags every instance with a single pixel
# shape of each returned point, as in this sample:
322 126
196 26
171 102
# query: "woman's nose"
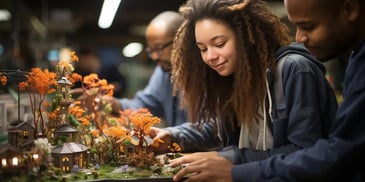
211 54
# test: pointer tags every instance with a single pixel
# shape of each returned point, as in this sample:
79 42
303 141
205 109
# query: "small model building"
20 141
65 133
10 158
70 154
21 136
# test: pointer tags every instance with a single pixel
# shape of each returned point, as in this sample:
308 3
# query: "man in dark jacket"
328 28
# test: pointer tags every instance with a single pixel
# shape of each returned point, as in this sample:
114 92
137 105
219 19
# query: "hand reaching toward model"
203 166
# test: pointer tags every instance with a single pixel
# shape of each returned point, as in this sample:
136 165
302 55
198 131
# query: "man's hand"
89 100
114 102
201 168
158 133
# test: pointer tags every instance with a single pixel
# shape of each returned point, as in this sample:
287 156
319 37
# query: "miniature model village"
72 140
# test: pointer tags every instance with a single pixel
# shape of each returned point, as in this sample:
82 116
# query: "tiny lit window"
15 161
3 162
63 89
25 134
35 156
66 168
81 160
65 159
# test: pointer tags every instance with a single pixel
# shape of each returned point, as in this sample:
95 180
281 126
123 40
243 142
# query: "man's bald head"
160 33
169 20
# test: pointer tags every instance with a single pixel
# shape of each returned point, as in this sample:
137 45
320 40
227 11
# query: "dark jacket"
339 158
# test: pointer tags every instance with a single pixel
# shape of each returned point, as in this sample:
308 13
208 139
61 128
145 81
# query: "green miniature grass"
104 173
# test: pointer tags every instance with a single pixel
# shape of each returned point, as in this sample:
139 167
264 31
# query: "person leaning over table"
224 64
157 95
328 28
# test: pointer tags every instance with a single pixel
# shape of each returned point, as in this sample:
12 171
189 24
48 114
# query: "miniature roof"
27 143
8 147
64 80
69 148
65 129
20 125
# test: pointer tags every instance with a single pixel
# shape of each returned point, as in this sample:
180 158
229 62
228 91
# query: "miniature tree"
95 89
114 135
139 123
38 84
141 127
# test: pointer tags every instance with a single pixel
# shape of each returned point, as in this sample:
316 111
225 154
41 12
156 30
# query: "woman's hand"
202 167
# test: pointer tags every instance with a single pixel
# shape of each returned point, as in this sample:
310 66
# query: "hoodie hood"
299 48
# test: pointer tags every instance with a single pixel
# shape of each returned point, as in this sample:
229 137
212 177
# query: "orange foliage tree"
38 84
95 88
115 134
141 122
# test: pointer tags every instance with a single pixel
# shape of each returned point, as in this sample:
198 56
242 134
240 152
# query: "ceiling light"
4 15
132 49
108 12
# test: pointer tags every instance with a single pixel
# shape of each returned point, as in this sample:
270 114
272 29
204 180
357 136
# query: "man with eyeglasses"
155 54
157 96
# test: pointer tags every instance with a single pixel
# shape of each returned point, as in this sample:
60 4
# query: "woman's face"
217 44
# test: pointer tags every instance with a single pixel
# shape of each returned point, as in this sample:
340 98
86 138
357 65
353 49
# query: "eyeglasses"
158 50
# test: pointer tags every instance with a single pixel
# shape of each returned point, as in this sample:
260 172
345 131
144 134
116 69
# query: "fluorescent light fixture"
4 15
132 49
107 13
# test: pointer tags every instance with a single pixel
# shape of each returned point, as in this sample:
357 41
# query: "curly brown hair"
236 98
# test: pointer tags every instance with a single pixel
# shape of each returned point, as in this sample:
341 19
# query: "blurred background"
38 32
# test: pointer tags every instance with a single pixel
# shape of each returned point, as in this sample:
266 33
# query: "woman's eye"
221 44
202 49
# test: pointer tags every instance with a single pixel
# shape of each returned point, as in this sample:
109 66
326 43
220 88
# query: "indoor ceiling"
76 20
